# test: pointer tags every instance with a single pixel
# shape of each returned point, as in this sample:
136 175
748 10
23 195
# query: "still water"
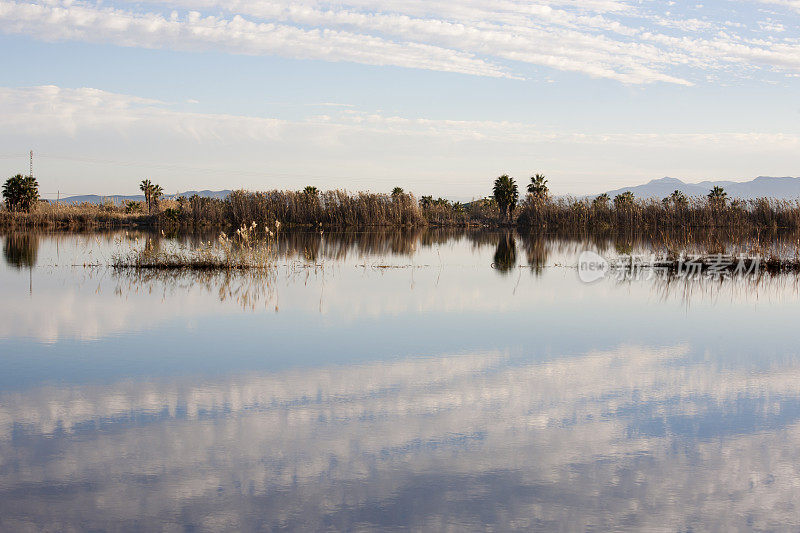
392 380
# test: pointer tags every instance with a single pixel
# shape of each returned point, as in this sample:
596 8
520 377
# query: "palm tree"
623 200
677 200
21 193
311 191
538 187
601 201
397 192
717 197
147 188
156 192
506 194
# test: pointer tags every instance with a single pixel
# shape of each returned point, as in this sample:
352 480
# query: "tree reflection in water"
21 250
505 256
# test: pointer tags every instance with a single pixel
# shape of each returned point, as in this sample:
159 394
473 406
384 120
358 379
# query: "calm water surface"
390 380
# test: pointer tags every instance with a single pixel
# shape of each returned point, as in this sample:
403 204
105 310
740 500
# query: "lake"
419 379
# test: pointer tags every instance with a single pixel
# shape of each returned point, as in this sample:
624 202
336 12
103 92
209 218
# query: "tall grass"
576 214
361 210
331 208
75 217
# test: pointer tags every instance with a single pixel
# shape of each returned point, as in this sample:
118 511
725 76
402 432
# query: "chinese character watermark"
693 267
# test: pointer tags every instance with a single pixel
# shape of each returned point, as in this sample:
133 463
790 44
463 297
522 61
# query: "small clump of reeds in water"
247 249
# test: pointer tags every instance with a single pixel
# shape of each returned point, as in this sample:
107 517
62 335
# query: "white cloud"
39 110
791 4
103 132
92 23
604 39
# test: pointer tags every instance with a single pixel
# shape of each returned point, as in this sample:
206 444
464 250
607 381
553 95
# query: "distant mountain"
219 195
96 199
118 198
781 188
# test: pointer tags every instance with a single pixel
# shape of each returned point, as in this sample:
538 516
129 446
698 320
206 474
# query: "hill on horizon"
119 198
782 188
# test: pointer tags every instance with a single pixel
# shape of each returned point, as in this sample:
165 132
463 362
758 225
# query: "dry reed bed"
75 217
341 209
762 213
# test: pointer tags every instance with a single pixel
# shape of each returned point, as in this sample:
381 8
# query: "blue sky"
437 97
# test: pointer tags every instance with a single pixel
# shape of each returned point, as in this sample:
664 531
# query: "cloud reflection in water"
638 437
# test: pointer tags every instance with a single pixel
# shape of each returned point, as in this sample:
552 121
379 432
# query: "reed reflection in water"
307 254
21 248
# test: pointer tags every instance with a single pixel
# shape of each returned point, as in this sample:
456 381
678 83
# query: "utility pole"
30 266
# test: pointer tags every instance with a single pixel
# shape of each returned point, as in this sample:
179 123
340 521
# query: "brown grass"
75 217
340 209
763 214
361 210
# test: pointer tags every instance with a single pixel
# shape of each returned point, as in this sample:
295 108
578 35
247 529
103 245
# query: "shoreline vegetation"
310 208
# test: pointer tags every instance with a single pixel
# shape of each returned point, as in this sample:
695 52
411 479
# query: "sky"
438 97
